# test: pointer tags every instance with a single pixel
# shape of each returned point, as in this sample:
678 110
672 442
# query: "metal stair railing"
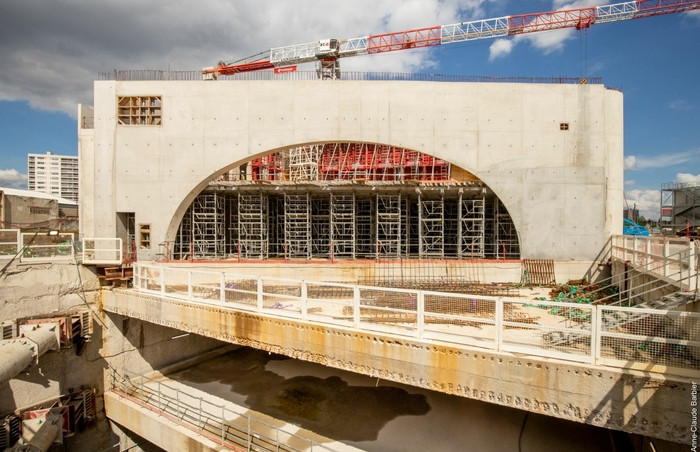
634 291
239 431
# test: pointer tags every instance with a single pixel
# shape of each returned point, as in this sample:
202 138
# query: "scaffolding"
208 226
303 163
365 227
388 214
431 227
276 226
350 161
297 225
342 225
232 228
502 236
470 230
320 226
680 207
368 221
270 167
183 242
252 225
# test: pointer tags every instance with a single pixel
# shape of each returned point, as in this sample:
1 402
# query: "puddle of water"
328 406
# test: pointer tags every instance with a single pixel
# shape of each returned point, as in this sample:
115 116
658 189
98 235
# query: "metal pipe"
15 356
20 353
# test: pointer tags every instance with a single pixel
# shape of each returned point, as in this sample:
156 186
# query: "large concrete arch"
180 210
552 152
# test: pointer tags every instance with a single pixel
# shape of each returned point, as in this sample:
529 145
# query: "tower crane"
327 52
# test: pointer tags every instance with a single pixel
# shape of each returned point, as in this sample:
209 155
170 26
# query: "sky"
52 52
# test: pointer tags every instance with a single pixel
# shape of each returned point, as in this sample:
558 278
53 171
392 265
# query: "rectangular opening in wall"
563 126
144 236
139 110
126 230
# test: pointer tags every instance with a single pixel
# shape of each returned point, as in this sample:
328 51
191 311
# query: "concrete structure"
680 207
26 209
551 153
634 401
53 174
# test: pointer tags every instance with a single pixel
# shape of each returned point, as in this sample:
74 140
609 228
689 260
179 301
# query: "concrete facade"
552 153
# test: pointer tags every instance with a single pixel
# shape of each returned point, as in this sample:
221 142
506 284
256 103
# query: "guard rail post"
499 324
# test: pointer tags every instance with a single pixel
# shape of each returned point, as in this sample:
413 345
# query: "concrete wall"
355 272
49 290
563 188
58 289
18 211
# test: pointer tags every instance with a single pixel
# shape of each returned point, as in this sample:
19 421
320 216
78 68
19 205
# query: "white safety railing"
669 257
9 243
102 251
230 426
570 331
46 247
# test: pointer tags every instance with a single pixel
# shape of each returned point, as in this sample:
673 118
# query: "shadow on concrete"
327 406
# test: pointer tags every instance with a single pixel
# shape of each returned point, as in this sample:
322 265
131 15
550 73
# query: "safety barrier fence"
155 74
46 246
586 333
102 251
9 242
229 425
668 257
49 246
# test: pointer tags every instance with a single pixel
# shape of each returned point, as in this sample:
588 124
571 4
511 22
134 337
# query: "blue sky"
53 51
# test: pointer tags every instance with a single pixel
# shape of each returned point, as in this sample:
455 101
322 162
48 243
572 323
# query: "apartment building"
53 174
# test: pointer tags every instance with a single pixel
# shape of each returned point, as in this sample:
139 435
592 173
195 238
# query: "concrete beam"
631 401
159 430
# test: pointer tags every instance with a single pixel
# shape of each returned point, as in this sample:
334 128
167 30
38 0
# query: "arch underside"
346 201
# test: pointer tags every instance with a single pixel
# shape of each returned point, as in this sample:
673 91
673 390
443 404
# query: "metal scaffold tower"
303 163
431 227
366 224
342 225
276 226
232 245
252 225
471 230
320 226
208 226
183 243
388 237
297 225
501 234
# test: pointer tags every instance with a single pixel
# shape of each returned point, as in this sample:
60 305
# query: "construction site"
346 201
438 259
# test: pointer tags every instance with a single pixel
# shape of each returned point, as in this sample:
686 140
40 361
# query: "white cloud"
500 48
630 183
660 161
648 202
680 104
685 178
11 178
53 51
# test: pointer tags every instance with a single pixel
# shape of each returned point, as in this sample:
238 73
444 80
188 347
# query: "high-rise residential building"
53 174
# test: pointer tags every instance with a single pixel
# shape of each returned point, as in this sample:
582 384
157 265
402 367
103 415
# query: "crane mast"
327 52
